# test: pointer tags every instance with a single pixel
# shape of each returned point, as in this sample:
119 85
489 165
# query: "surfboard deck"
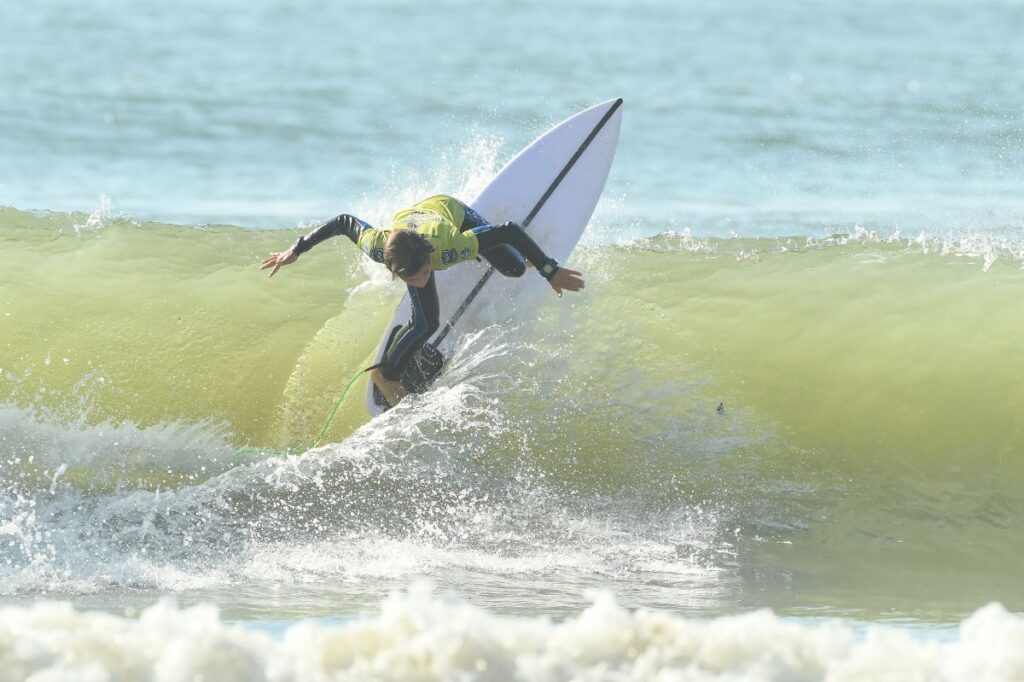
551 188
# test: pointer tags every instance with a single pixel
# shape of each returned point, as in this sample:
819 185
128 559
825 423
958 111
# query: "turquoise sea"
779 437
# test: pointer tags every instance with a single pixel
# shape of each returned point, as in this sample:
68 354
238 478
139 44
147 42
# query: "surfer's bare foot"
392 391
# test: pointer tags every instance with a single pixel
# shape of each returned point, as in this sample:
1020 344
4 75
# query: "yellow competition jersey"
438 219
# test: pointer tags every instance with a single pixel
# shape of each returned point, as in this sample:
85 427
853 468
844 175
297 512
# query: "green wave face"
864 349
878 389
846 406
155 323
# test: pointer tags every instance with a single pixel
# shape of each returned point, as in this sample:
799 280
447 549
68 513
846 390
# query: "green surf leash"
337 404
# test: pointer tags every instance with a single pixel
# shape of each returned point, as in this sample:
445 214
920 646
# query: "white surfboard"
550 188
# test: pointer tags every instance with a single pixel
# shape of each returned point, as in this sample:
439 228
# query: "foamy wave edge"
419 636
986 248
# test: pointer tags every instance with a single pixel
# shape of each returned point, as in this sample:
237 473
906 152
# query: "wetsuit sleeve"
350 226
512 234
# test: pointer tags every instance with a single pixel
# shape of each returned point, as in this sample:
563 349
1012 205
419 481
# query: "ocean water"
779 436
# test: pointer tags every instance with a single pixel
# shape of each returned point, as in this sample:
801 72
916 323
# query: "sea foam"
417 635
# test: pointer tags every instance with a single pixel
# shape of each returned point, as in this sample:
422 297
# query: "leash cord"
330 419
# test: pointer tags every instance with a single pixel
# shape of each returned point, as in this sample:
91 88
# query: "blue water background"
746 117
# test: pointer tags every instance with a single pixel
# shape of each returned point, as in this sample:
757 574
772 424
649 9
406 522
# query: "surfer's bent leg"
512 235
426 318
503 257
345 224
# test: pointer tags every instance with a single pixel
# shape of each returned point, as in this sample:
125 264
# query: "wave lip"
416 635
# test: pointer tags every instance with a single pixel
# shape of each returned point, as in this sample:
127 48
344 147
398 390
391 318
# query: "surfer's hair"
406 252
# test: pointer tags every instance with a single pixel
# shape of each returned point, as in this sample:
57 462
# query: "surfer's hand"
276 260
566 279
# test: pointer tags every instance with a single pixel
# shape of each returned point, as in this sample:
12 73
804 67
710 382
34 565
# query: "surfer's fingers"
268 261
566 280
276 260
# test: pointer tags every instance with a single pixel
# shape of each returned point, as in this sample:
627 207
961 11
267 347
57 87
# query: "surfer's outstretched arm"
345 224
490 236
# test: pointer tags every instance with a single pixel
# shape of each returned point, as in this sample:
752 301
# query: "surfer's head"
407 256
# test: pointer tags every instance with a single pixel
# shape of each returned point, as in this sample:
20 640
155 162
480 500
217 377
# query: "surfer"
434 234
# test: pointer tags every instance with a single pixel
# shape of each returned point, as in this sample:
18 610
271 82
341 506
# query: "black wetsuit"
504 246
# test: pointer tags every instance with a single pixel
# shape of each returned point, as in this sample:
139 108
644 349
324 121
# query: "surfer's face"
420 279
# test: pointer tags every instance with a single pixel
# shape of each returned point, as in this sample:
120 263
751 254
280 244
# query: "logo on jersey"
377 254
417 219
464 254
449 256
